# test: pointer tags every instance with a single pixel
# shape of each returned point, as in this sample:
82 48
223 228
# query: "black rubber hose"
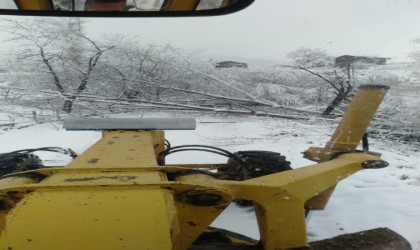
203 146
195 149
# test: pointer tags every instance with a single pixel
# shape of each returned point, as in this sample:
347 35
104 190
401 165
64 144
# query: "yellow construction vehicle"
120 194
116 195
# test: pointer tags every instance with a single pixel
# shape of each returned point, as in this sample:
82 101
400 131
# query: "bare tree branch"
320 76
51 70
228 84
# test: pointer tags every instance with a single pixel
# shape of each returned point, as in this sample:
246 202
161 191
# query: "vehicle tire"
15 163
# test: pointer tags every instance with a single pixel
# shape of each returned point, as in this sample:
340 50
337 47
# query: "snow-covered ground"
387 197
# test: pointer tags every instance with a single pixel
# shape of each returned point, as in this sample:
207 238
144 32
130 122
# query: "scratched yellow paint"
121 149
96 208
90 219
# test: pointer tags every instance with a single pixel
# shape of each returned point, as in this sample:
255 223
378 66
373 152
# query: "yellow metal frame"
34 4
116 196
180 5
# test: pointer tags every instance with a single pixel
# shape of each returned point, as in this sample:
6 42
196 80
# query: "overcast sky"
269 29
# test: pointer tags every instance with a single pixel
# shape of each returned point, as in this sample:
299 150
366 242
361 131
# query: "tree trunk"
68 104
341 95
